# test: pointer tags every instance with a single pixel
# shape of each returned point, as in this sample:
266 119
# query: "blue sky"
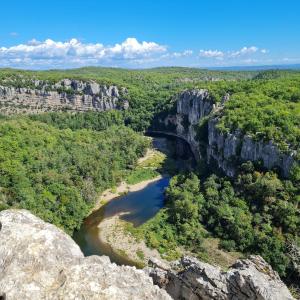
136 34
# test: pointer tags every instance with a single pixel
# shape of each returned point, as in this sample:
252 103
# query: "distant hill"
257 68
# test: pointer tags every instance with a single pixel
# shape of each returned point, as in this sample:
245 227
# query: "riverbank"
133 201
152 161
112 232
122 189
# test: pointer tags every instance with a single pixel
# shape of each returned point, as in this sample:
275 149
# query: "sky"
148 33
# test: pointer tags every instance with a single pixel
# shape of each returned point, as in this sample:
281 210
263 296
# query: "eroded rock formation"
39 261
226 149
191 107
247 279
73 95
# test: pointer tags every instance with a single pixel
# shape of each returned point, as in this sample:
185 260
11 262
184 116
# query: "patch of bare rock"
39 261
192 279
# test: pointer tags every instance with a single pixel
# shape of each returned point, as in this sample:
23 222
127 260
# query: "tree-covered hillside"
58 173
149 91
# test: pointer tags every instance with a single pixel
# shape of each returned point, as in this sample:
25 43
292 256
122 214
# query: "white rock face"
192 106
225 149
39 261
74 95
247 279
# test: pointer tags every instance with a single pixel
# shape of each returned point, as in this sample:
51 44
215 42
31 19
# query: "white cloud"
245 54
185 53
211 53
250 61
73 52
244 51
130 53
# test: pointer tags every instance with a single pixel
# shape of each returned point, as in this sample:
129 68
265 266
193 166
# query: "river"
135 207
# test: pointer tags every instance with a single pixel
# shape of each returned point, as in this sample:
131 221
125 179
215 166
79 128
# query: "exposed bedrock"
227 149
66 94
39 261
247 279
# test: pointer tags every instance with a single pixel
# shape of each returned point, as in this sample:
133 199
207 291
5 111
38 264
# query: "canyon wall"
73 95
230 148
194 107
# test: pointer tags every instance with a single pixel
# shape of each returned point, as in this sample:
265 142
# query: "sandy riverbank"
111 231
122 188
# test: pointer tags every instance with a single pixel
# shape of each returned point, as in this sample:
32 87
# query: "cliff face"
225 149
247 279
191 107
74 95
39 261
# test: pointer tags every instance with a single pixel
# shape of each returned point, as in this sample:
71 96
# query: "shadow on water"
135 207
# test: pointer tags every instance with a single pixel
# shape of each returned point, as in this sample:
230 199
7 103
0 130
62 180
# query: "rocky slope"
192 108
39 261
74 95
247 279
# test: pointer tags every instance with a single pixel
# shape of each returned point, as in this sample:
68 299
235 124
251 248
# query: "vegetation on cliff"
263 104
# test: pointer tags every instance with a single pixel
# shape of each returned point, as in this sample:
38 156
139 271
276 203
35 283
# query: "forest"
58 173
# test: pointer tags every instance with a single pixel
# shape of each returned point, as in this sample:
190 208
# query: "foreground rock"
39 261
247 279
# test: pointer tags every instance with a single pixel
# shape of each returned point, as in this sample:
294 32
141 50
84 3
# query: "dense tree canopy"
56 173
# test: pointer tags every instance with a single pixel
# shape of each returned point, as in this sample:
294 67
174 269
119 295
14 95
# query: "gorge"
67 139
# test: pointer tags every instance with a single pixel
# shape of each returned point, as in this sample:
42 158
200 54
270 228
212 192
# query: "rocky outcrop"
74 95
247 279
191 107
39 261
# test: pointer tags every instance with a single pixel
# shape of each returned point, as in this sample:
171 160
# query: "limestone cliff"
226 149
74 95
39 261
247 279
191 107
